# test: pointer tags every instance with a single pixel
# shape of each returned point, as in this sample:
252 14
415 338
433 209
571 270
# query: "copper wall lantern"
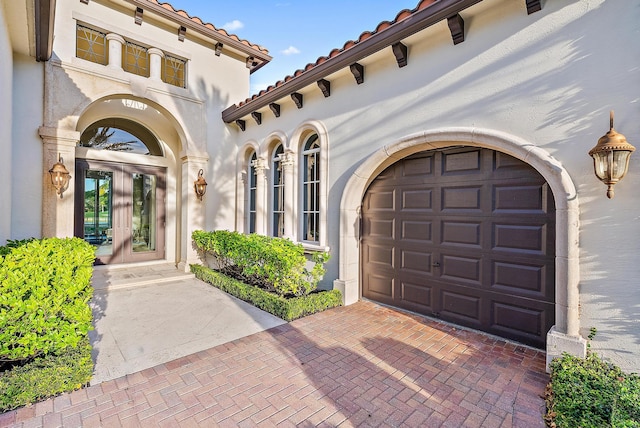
611 157
59 176
200 185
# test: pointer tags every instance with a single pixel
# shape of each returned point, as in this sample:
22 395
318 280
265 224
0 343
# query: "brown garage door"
466 235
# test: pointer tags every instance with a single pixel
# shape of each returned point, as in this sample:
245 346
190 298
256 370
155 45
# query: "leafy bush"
44 295
47 376
591 393
276 264
286 308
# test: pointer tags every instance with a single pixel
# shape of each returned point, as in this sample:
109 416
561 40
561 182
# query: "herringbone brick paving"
361 365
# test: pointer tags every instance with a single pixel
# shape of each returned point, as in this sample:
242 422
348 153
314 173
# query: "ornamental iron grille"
135 59
91 45
311 190
173 71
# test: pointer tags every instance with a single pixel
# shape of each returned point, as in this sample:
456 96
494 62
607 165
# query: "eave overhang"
44 20
418 21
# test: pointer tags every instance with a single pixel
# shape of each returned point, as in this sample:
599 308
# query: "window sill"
313 247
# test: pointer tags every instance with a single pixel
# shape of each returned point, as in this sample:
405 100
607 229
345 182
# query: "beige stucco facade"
535 86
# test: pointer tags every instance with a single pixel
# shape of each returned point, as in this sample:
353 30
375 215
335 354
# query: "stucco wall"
547 78
6 73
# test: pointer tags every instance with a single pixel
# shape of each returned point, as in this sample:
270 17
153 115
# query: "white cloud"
291 50
233 25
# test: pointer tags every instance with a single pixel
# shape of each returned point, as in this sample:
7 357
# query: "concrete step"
119 277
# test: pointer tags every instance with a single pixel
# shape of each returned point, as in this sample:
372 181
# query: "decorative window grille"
91 45
278 192
135 59
173 71
252 183
311 190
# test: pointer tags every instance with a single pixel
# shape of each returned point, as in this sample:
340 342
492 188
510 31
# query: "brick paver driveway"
362 365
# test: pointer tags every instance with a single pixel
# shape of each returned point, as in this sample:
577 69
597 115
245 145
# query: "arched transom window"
120 135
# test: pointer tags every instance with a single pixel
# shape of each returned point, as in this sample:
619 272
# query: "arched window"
120 135
277 193
311 190
252 181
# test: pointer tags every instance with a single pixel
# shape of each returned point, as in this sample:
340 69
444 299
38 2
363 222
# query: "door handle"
435 264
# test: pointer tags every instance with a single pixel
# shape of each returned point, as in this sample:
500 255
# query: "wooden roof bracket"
456 26
400 51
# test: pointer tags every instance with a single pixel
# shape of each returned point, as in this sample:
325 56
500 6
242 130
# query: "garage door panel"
414 261
461 269
485 220
519 238
417 230
461 234
461 198
379 228
417 199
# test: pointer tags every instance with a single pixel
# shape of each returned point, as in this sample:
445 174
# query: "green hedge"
44 295
46 376
591 393
287 309
277 264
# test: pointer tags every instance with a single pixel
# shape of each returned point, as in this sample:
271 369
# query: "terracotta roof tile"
210 26
382 26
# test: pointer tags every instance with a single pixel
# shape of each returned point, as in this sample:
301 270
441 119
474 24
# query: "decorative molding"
533 6
325 87
182 31
219 47
297 98
358 72
275 108
456 26
138 15
257 116
241 124
400 52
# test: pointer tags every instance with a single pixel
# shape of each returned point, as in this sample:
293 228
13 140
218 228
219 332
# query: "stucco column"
155 63
261 166
57 212
192 209
115 50
287 162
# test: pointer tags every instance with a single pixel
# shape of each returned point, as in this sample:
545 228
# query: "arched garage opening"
566 266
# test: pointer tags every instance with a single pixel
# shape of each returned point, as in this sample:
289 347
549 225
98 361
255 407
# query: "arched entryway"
465 234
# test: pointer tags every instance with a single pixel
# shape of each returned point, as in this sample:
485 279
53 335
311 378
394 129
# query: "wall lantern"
611 157
200 185
59 176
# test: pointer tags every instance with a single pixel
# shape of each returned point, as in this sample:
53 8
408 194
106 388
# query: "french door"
120 209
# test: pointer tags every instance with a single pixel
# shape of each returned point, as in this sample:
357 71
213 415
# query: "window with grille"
91 44
135 59
173 71
311 190
278 192
252 184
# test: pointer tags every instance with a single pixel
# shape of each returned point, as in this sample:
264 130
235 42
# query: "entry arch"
565 196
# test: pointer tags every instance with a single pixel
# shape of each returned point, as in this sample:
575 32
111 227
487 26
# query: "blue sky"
296 32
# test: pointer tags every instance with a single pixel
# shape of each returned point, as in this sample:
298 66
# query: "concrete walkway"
358 366
149 315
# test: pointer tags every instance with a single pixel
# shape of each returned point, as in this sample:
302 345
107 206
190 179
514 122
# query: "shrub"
276 264
286 308
45 377
591 393
44 295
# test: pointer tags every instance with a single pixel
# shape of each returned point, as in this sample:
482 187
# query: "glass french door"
119 209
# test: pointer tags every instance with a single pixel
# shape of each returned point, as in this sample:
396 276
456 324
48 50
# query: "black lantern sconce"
60 176
200 185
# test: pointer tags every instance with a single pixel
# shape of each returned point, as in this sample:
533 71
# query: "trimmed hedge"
44 297
277 264
46 377
591 393
287 309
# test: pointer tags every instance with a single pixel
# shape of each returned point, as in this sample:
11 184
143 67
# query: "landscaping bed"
273 274
590 393
44 319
